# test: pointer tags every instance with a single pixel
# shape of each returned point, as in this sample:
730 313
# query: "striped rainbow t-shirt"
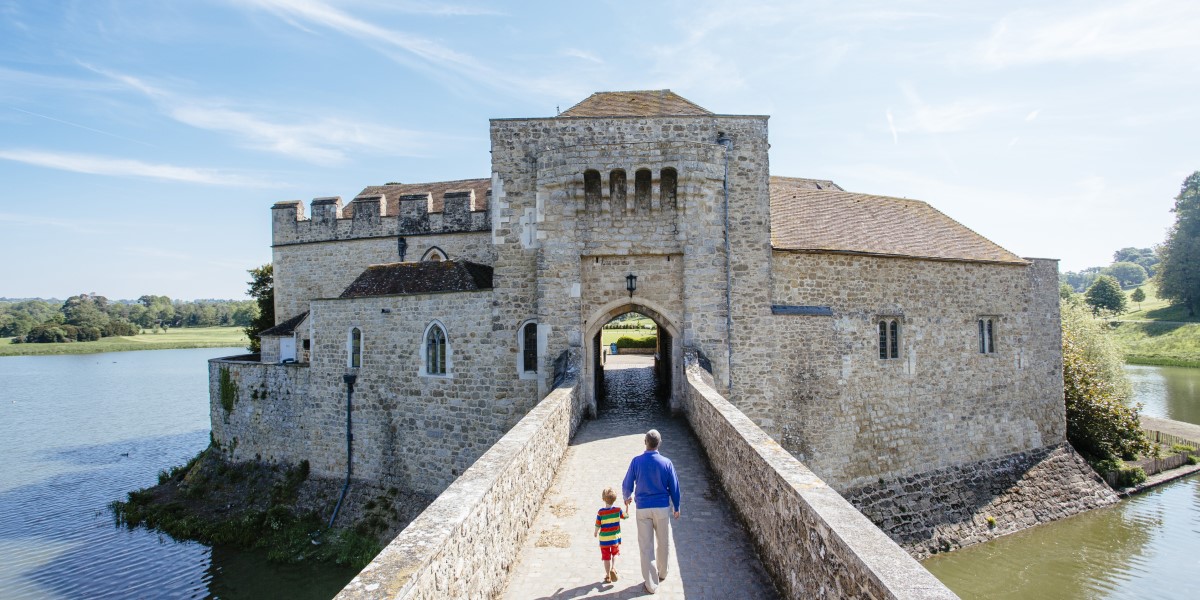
608 519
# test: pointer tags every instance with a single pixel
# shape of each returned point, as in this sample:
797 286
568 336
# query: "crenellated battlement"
386 211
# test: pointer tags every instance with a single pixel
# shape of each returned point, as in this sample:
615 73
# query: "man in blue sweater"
653 476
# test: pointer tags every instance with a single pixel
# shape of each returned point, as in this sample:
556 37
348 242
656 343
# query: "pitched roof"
642 103
420 278
832 220
392 193
287 327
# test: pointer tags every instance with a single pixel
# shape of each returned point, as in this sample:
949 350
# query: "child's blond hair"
609 495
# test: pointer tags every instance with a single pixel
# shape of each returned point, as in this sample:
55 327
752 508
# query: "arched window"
354 348
668 181
436 350
591 187
641 189
529 348
616 189
987 341
889 339
434 254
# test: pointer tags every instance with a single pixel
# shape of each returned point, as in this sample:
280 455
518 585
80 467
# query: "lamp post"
631 284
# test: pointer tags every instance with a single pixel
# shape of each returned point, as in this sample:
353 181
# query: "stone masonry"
780 284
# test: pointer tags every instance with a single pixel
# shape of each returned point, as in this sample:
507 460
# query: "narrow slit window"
668 182
355 348
883 340
895 339
529 348
435 350
641 189
616 188
987 340
591 187
889 339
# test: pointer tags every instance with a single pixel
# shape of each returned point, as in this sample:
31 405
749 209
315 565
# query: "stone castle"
910 363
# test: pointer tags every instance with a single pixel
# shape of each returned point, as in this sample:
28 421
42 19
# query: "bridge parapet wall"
812 541
462 545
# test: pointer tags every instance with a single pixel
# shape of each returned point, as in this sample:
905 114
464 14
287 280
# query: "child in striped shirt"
608 530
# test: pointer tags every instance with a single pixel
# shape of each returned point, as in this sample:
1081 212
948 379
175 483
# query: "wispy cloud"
122 167
77 125
36 221
583 54
1033 115
319 140
958 115
892 126
406 48
1117 30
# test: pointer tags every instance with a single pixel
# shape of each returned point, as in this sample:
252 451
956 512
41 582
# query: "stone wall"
855 418
270 418
948 508
545 229
323 269
410 430
811 540
464 543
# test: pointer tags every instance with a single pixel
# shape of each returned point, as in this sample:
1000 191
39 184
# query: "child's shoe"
613 574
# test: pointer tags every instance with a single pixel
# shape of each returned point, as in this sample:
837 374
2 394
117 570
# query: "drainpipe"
349 378
728 144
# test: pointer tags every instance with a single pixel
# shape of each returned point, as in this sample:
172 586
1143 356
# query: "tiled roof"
287 327
644 103
392 193
420 278
824 220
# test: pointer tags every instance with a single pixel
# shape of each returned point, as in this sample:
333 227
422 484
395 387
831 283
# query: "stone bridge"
756 523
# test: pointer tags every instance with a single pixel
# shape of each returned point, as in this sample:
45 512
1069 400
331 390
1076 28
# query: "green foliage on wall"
227 388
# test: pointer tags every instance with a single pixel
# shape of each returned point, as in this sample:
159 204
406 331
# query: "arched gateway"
666 368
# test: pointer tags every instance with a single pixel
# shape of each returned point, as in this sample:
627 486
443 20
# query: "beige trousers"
654 523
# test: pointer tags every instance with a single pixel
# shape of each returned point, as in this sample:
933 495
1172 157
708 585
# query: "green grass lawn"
609 336
1156 333
1154 308
194 337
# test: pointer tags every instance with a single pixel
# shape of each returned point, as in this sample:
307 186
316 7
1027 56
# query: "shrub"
628 342
1099 424
1131 476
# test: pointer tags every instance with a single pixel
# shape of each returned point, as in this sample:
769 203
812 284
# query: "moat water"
77 432
1147 546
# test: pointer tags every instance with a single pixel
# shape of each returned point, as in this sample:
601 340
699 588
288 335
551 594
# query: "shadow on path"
711 556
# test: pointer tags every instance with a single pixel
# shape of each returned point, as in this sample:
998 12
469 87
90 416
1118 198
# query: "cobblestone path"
711 556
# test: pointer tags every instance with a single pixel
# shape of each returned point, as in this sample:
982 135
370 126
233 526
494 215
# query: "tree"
262 290
1105 294
1138 296
1179 270
1100 423
1065 291
1126 273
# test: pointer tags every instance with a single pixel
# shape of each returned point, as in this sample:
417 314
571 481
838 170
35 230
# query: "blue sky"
143 143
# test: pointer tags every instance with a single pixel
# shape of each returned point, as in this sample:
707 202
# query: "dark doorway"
632 341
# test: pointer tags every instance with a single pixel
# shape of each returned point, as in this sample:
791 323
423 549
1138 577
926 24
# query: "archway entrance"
650 340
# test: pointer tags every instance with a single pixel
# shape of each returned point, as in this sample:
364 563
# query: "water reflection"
1145 547
77 432
1167 392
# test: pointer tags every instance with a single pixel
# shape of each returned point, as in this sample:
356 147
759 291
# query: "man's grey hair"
653 439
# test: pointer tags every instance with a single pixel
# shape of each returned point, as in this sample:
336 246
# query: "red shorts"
608 552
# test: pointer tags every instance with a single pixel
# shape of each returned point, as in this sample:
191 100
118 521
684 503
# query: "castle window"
436 350
616 188
434 254
529 349
669 180
591 187
641 189
889 339
354 348
987 341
